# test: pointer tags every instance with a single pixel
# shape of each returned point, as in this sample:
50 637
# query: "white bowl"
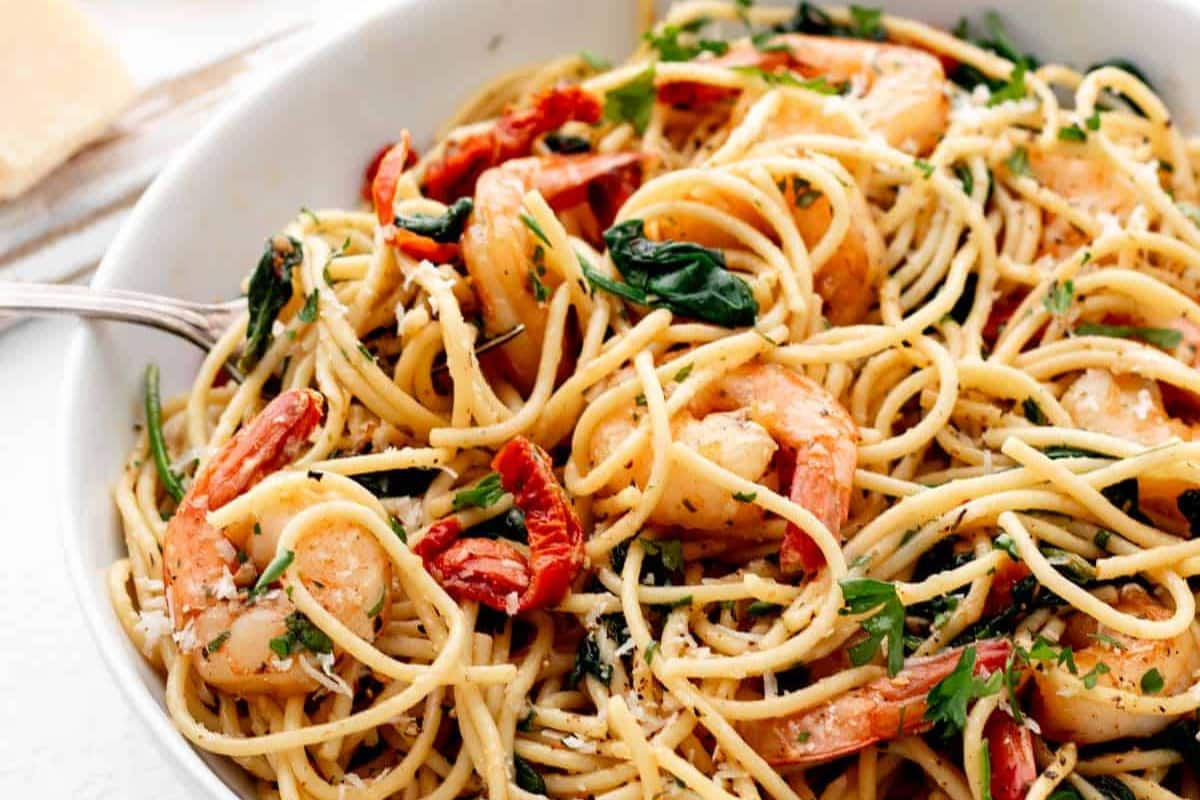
303 139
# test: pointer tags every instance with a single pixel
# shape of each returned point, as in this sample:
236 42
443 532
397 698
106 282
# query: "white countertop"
66 731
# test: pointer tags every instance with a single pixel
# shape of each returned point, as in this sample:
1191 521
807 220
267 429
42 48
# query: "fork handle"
164 313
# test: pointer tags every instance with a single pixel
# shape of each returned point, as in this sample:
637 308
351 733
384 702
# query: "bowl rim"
109 638
106 633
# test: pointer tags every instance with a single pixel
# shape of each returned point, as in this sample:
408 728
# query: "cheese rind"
61 84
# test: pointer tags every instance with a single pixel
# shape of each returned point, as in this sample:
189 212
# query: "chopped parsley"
1166 338
925 167
374 610
398 529
1018 162
985 771
301 633
867 594
745 497
540 290
1057 299
761 607
1072 133
1093 675
217 642
651 650
765 42
669 552
666 40
1152 681
632 102
531 223
1015 89
309 312
1093 122
482 495
272 573
598 63
819 84
965 177
948 699
683 373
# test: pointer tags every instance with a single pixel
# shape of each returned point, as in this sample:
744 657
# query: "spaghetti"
847 451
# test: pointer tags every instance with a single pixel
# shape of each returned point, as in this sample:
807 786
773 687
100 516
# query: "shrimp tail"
881 710
454 173
269 442
816 482
193 559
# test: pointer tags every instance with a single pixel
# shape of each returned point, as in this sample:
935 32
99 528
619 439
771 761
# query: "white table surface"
65 731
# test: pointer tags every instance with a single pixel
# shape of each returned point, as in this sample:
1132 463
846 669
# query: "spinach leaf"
686 278
997 40
1124 495
1112 787
445 227
865 23
589 662
1128 66
527 777
509 525
1188 503
270 290
396 482
567 145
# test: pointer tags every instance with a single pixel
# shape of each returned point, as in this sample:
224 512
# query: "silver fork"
200 323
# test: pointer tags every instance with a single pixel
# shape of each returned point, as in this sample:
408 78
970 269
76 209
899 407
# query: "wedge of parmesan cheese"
61 84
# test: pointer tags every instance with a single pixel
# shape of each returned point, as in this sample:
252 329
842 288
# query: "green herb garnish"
482 495
867 594
445 227
154 433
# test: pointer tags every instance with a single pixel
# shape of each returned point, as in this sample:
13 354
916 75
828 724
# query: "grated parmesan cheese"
579 744
154 625
1145 404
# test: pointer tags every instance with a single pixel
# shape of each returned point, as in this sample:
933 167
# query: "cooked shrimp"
1088 184
881 710
765 423
1131 407
499 248
901 92
1126 406
231 637
847 281
1065 715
